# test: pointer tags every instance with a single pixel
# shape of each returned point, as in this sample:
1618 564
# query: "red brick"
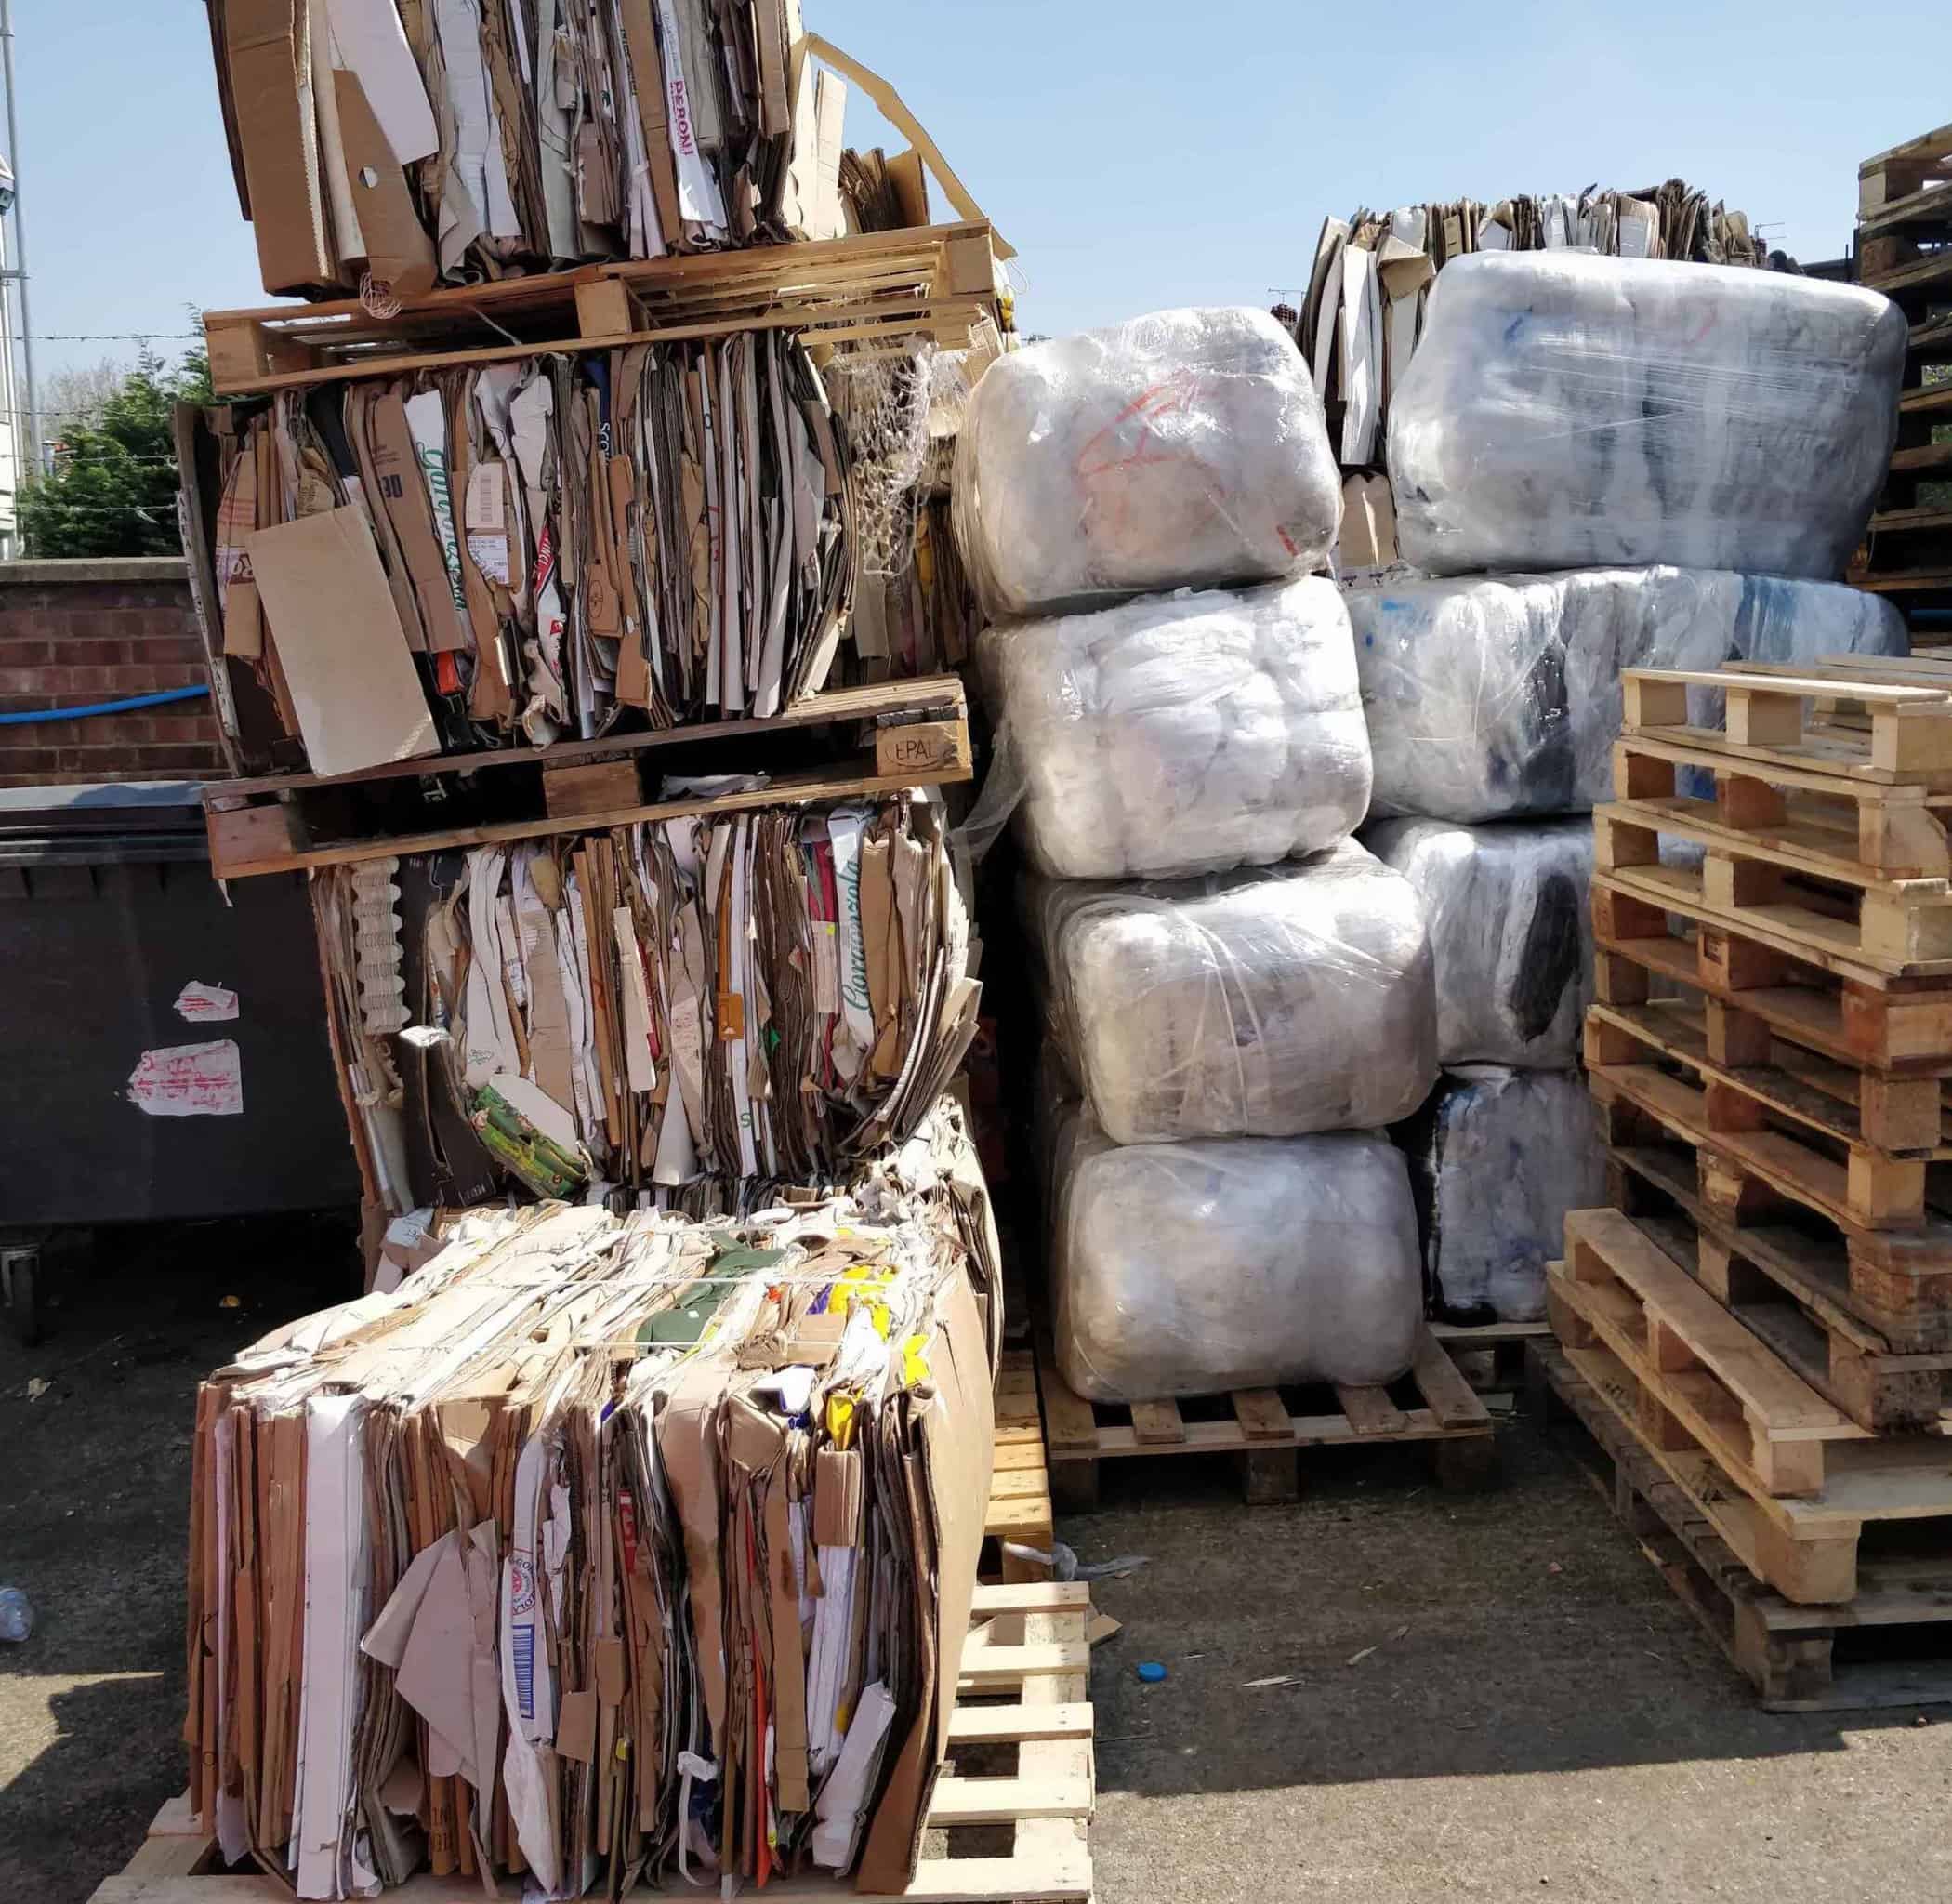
185 649
25 680
179 727
25 625
19 765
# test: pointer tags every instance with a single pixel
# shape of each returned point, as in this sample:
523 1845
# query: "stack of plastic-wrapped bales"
1239 996
1597 463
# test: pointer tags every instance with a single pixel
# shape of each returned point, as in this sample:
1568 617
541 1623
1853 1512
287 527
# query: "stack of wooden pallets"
1903 226
1761 1330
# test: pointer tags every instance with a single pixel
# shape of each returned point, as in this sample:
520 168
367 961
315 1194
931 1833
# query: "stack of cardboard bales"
1238 997
1598 463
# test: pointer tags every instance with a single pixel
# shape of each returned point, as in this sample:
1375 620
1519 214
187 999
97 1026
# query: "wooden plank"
1005 1668
1928 516
899 317
1002 1801
1911 277
1370 1410
1794 686
1068 1419
1262 1414
1818 763
1030 1596
1451 1398
1156 1422
833 708
1012 1724
570 792
1473 1335
780 793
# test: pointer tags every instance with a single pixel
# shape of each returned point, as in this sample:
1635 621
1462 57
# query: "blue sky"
1139 154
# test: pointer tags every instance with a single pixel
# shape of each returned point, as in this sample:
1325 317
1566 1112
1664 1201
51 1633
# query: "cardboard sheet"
353 685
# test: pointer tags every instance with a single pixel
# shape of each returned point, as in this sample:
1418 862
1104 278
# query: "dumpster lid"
101 822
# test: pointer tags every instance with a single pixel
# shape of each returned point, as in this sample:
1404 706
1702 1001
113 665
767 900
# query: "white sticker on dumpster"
204 1004
189 1081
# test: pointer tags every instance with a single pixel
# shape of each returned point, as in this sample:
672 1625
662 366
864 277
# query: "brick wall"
73 633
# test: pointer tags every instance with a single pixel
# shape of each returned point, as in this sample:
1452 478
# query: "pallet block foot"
1271 1478
1074 1486
1468 1465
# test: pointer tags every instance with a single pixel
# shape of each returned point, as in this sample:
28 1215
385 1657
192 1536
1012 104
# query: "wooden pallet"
1904 204
1715 1117
919 738
1898 1029
1794 1291
1902 1276
1798 1658
1020 1481
1760 1421
1763 732
1262 1428
1893 1493
1022 1692
1022 1689
1902 1115
874 287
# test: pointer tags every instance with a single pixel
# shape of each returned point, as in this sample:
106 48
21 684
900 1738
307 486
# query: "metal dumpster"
138 1086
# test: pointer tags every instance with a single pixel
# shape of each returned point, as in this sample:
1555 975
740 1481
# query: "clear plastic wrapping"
1564 411
1182 733
1498 1159
1264 1004
1190 1268
1510 933
1182 449
1493 697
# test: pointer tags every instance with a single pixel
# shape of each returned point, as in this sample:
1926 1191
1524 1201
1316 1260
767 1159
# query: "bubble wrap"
1190 1268
1183 734
1183 449
1266 1004
1510 933
1564 411
1497 1158
1490 696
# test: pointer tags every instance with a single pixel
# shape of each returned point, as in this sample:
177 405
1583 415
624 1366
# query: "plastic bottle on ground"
16 1614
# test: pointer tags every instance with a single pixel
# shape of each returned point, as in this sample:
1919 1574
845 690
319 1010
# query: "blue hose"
167 696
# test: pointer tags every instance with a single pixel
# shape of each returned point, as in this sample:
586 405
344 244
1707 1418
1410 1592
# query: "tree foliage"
113 488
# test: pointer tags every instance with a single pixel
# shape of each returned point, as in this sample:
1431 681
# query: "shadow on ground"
94 1515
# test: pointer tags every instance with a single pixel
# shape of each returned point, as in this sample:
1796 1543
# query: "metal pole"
13 153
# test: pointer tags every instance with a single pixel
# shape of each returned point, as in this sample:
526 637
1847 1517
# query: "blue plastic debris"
1151 1671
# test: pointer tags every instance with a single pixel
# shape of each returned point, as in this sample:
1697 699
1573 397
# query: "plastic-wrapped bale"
1254 1004
1179 734
1497 1158
1192 1268
1183 449
1490 697
1564 411
1510 933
